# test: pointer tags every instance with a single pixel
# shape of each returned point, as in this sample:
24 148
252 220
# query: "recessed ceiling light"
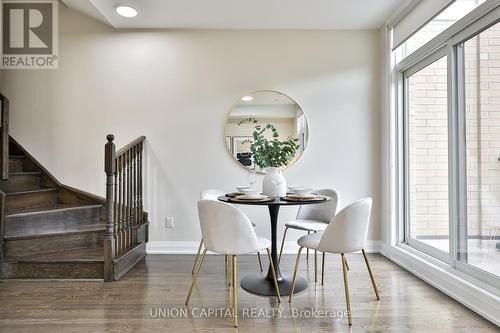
246 98
126 11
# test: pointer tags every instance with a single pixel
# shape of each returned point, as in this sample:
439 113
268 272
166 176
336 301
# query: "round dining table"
257 283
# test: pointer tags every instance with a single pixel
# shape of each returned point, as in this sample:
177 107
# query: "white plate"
308 196
253 197
303 191
243 188
292 188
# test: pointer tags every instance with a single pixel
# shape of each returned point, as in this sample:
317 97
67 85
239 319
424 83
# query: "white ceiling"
244 14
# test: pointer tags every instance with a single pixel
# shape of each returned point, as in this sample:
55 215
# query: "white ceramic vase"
274 184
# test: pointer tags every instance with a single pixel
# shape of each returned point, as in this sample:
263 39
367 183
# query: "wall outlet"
169 222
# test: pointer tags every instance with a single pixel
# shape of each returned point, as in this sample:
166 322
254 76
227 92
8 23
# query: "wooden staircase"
52 231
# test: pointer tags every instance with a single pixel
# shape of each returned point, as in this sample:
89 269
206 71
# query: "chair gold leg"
195 276
297 261
323 269
260 262
346 265
273 272
197 257
346 289
315 266
371 274
226 268
282 244
228 273
235 294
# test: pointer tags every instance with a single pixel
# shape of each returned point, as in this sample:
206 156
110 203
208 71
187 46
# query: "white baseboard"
470 294
291 247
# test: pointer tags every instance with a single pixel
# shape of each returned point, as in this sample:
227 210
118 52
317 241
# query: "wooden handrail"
4 138
124 207
130 145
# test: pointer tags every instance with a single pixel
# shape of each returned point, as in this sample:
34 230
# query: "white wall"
176 88
387 218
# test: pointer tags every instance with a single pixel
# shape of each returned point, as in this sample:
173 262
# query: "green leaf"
273 153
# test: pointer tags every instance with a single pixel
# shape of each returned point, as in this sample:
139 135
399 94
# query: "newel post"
110 169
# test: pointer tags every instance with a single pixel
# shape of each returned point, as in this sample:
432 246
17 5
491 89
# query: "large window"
448 95
481 67
427 160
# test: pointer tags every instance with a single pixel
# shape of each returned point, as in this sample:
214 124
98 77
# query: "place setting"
274 194
301 194
248 194
294 194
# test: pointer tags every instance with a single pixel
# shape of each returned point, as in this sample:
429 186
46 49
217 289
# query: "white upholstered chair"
346 233
314 218
227 230
213 194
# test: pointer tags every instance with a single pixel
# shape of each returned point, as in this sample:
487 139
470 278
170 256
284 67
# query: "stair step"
23 200
56 217
51 208
94 254
16 163
52 270
21 181
26 246
52 228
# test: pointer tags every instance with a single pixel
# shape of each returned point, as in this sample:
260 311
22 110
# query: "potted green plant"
270 154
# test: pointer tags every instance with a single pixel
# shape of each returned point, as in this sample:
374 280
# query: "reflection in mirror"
266 129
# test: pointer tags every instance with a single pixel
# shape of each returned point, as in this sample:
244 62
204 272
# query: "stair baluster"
123 216
134 192
129 198
140 208
124 207
119 218
115 206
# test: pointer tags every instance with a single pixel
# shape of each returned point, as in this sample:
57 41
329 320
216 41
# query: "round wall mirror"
266 129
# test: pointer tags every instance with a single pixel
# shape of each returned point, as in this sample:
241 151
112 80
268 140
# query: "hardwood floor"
161 282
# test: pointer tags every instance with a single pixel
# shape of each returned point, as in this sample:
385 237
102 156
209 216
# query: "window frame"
460 148
448 43
436 55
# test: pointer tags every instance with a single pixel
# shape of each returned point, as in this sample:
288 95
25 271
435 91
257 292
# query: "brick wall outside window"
428 136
